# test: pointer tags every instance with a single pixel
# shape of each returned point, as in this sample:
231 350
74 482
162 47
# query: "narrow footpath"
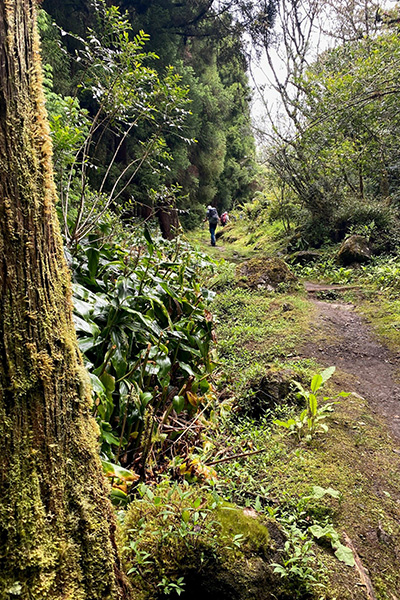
341 337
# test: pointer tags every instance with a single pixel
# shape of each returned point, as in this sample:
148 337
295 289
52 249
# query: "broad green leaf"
178 403
145 398
345 555
108 381
87 327
316 382
109 438
88 343
97 385
312 400
164 364
187 368
327 374
319 492
112 470
118 497
93 261
84 309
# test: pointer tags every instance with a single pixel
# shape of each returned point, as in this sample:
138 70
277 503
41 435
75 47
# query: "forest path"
341 337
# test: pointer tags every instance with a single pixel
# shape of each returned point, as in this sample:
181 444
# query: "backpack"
213 216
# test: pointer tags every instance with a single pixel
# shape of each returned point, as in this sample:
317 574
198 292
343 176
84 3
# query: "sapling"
309 422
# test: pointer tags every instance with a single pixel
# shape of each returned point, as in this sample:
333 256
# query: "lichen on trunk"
56 524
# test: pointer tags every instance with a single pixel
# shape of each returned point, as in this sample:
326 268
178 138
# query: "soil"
343 338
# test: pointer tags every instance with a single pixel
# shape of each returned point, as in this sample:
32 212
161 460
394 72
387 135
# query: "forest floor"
342 337
309 329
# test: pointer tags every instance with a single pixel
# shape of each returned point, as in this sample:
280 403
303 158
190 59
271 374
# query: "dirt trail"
344 339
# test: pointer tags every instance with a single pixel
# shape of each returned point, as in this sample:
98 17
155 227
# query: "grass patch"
258 326
241 239
383 312
355 457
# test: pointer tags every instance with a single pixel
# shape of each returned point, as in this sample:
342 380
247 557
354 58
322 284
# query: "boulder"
212 565
267 390
354 249
264 273
244 574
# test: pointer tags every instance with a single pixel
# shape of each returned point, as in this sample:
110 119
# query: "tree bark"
168 221
56 524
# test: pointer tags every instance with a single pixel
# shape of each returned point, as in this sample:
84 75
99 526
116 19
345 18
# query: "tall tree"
56 525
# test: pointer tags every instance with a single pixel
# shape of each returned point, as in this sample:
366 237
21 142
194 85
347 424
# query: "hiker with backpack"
224 219
213 218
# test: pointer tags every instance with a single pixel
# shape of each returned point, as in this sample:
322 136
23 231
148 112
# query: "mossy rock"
241 573
213 562
264 273
237 521
267 390
354 249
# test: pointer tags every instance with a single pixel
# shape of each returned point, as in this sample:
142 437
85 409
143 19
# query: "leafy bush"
147 337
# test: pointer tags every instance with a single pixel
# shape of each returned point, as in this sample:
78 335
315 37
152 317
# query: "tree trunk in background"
168 221
56 524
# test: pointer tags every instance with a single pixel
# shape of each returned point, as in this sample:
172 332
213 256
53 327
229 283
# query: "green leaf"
118 497
84 309
327 374
345 555
312 400
97 385
316 382
108 381
287 424
93 261
87 343
303 415
145 398
319 492
82 325
109 438
204 386
178 403
112 470
148 238
187 368
185 516
164 364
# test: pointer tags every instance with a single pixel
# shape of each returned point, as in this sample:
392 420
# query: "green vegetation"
201 360
309 422
174 533
165 91
146 336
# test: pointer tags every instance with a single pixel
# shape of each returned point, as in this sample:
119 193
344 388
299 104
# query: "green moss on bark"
56 525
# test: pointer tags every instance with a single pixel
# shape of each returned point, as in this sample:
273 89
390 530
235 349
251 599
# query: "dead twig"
242 455
365 580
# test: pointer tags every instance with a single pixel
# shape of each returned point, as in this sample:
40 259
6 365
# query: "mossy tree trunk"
56 524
